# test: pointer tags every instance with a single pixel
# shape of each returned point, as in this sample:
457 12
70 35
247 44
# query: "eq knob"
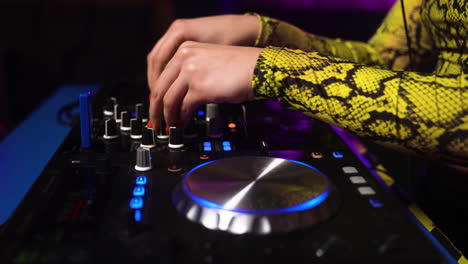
141 112
176 152
109 106
213 121
110 129
143 159
148 138
136 128
125 121
175 138
162 134
118 113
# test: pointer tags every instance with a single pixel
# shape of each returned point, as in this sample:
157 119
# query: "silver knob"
143 160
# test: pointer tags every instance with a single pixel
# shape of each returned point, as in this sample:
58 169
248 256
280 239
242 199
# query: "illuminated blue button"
139 191
137 216
207 144
226 143
227 148
207 149
337 154
200 113
141 180
136 203
375 203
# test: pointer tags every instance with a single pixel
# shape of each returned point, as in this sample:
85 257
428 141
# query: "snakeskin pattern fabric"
367 88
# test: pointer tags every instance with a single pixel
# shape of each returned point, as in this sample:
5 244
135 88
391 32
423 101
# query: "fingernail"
149 124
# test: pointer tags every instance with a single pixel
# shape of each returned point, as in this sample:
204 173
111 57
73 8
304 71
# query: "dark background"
47 43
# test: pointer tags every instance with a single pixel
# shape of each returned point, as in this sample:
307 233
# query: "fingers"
164 50
190 102
172 100
168 76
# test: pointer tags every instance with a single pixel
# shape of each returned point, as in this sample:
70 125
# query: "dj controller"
249 183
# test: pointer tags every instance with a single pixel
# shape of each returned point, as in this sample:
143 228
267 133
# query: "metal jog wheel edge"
255 195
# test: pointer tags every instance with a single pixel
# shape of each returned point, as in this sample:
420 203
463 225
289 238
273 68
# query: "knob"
175 159
110 129
117 113
190 130
214 126
162 134
125 123
148 138
136 128
212 111
334 247
109 106
141 112
143 159
175 138
264 149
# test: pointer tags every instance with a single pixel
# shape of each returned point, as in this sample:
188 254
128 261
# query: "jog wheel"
255 195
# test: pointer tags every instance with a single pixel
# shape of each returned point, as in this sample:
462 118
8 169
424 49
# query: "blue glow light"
226 143
227 148
207 144
200 113
296 208
375 203
207 149
138 191
137 216
141 180
136 203
337 154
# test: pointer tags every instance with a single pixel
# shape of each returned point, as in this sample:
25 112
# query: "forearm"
423 113
281 34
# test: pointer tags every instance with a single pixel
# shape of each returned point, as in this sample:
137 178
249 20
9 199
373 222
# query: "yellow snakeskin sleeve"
387 48
426 113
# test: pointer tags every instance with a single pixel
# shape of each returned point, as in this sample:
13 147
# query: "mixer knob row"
136 128
141 112
118 113
125 124
110 129
109 106
148 138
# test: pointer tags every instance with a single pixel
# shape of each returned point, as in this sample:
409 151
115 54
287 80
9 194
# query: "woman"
379 90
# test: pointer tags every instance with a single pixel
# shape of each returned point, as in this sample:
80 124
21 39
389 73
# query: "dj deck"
250 183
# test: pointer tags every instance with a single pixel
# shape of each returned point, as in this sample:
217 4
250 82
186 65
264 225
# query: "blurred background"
47 43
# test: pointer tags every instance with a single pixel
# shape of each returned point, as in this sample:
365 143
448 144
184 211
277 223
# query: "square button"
366 190
136 203
357 179
349 170
337 154
141 180
227 148
139 191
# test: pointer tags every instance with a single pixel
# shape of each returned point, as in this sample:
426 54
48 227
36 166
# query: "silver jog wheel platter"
255 195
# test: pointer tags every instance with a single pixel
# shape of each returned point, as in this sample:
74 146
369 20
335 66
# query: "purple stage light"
364 5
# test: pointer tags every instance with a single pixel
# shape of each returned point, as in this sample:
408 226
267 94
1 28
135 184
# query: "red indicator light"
149 124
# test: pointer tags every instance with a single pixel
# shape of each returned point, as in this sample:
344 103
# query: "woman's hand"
201 73
238 30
